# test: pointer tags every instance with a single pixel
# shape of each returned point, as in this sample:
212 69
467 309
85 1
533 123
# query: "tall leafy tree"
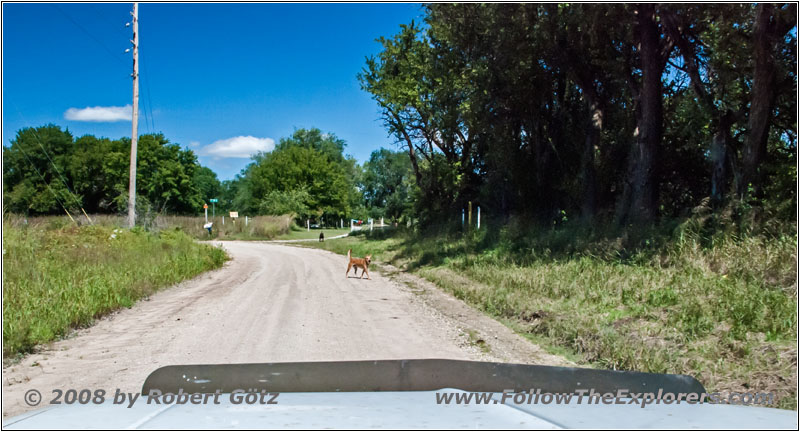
634 110
207 183
770 28
388 184
308 171
34 167
47 171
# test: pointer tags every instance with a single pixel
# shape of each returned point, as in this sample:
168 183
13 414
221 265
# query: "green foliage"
534 109
388 185
47 171
208 184
31 183
168 175
285 202
306 174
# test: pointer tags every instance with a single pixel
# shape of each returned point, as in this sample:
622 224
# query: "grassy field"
722 308
256 228
297 233
58 276
252 228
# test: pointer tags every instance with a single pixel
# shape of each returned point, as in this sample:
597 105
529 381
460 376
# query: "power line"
149 99
35 135
45 181
102 15
109 51
64 181
73 195
144 110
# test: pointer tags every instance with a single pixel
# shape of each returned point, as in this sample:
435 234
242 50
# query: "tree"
307 170
387 184
583 46
688 27
286 202
771 25
636 110
33 171
47 171
736 90
207 183
167 179
652 50
393 81
95 167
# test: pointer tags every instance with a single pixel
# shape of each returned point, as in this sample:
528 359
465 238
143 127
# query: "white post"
206 209
370 224
308 224
381 221
223 219
246 221
351 225
341 223
479 217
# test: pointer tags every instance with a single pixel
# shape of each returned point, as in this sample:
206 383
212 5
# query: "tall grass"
717 304
255 228
57 276
252 228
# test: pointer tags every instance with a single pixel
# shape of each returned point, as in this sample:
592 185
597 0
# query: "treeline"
48 171
615 112
621 113
309 175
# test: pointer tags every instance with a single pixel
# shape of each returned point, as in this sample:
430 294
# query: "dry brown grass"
255 228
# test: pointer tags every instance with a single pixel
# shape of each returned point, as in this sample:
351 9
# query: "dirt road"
270 303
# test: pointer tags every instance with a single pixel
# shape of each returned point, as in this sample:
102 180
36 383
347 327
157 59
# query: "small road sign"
205 206
213 200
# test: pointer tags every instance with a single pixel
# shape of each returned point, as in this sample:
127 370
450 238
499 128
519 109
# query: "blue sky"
221 79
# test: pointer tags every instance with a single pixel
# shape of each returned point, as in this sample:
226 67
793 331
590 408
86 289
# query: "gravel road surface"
270 303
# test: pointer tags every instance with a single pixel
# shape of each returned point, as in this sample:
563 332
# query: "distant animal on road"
362 263
322 237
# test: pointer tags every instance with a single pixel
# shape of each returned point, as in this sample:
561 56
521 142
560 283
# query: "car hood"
401 394
398 410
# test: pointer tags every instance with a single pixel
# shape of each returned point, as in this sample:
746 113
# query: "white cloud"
100 114
238 147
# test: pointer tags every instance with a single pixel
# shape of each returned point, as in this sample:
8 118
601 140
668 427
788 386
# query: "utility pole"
135 132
